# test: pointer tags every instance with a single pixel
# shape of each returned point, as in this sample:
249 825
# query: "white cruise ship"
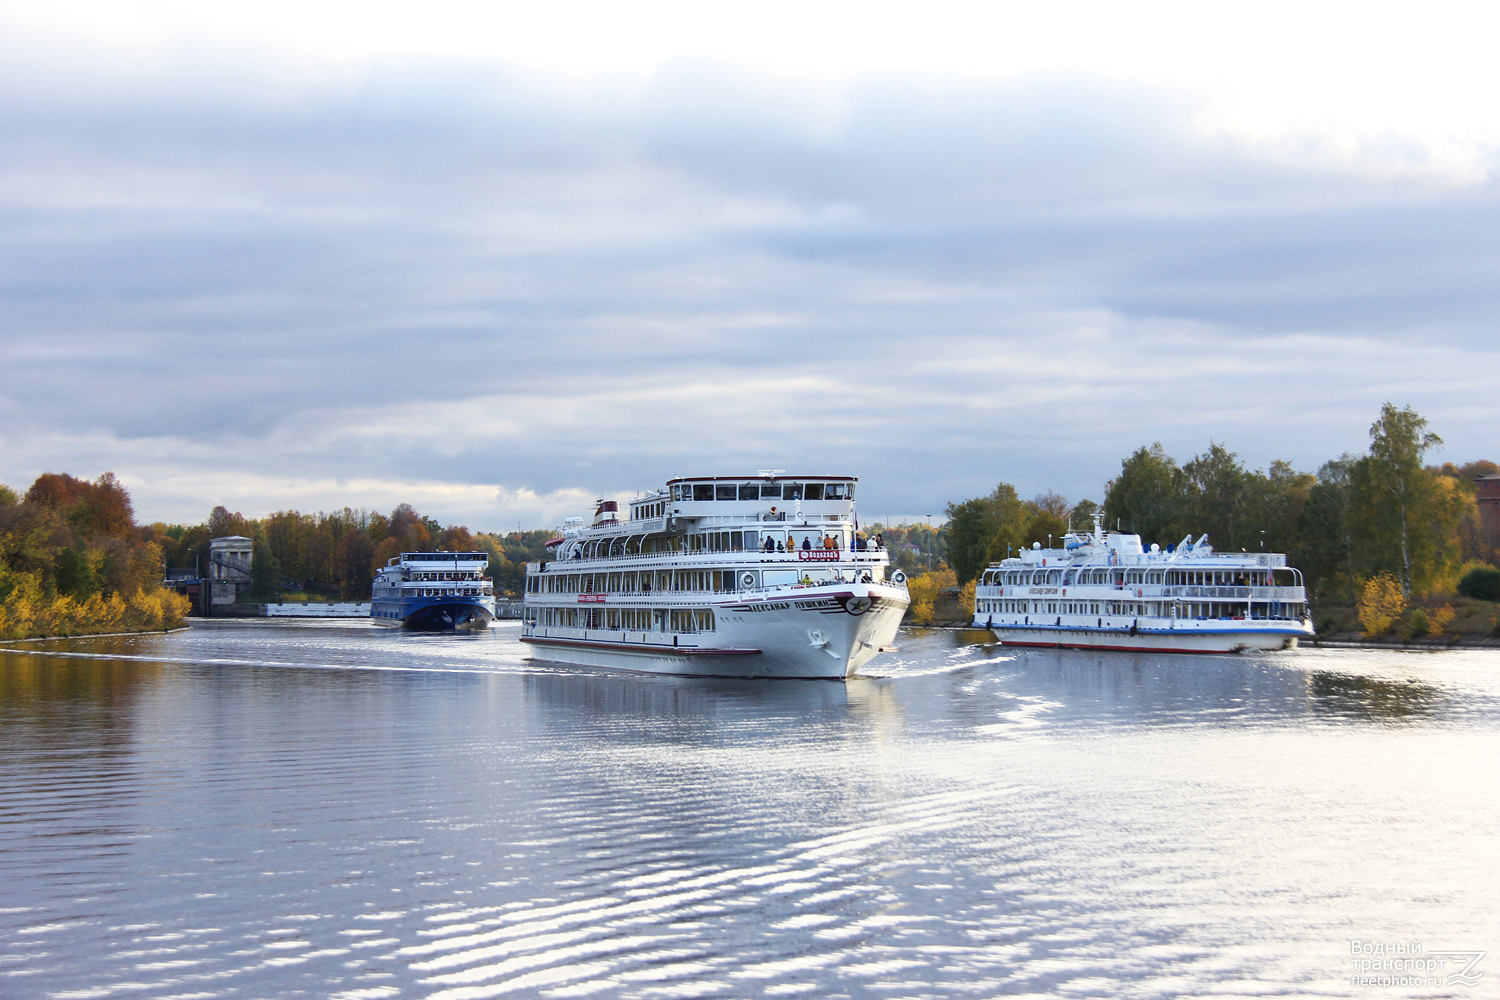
1106 591
758 576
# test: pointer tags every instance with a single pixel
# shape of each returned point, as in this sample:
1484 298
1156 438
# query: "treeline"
337 554
73 562
913 548
1356 518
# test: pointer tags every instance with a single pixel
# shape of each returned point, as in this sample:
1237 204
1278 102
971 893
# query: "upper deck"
718 501
754 515
770 496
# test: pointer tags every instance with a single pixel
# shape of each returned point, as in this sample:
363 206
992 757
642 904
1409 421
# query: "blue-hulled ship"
433 591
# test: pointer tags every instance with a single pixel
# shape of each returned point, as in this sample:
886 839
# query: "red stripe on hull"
1117 649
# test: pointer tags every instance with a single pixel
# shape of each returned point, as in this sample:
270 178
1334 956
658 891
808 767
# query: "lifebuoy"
1139 592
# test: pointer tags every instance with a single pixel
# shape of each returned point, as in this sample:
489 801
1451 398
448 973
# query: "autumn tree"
72 561
1381 602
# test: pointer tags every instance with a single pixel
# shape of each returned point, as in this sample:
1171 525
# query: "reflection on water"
328 810
1373 697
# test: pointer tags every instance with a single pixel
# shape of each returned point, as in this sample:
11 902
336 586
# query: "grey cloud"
912 282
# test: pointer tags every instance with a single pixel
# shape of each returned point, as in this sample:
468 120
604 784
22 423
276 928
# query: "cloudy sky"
496 260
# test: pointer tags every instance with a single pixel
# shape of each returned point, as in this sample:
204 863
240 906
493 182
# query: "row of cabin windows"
715 541
683 580
625 619
1131 577
1193 610
762 491
448 557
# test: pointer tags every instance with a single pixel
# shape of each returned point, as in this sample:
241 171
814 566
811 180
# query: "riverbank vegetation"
328 555
1387 545
73 562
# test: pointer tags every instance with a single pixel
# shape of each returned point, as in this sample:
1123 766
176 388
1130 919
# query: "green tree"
1044 526
1326 550
983 529
1481 583
1215 487
1081 516
265 573
1148 496
1404 520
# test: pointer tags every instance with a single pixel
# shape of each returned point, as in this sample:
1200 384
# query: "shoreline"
1334 640
96 635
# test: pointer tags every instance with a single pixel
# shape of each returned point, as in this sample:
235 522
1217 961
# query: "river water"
324 809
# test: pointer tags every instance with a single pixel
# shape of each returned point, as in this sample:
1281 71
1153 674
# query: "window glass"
778 577
772 490
814 491
703 491
726 491
750 491
792 491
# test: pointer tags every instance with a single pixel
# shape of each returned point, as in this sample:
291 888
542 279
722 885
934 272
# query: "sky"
497 260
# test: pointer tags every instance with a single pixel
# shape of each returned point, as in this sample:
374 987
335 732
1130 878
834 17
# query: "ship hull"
812 633
1153 640
431 614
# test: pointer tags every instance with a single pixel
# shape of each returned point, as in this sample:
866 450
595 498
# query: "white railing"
662 598
693 560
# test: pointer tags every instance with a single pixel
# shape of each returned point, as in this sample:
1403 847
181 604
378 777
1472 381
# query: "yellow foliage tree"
923 591
1438 619
1380 603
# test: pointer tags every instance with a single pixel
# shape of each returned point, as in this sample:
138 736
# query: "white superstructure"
755 576
1104 590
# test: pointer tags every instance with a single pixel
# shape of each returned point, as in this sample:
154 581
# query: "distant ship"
1104 590
755 576
433 590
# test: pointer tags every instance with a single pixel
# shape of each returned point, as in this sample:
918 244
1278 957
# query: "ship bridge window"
725 492
749 491
770 491
814 491
838 491
703 491
791 491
